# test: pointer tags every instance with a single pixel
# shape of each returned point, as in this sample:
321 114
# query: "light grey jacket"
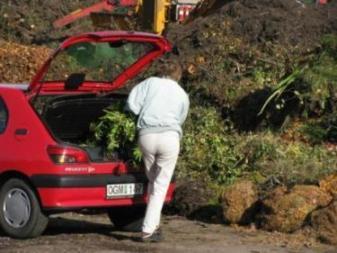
162 105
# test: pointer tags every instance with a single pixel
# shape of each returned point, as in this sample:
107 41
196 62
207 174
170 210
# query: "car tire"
127 218
20 211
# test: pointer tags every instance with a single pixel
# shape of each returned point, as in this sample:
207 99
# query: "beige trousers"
160 153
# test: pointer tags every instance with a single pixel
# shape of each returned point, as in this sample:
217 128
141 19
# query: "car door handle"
21 131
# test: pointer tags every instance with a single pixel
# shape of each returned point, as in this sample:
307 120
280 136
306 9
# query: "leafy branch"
281 87
116 130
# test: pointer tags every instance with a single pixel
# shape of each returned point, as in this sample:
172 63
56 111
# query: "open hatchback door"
97 62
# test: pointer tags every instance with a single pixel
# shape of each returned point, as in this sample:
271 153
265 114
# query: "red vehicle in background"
44 169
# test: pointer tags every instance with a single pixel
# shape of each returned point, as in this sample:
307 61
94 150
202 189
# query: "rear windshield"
102 61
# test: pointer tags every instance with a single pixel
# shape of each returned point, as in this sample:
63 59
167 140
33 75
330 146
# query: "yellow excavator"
152 14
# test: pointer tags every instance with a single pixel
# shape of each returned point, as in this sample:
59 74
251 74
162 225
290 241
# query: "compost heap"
233 55
240 47
30 21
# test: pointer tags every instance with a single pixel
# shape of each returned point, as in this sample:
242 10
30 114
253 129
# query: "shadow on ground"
60 225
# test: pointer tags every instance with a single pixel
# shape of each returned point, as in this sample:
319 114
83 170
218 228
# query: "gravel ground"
74 232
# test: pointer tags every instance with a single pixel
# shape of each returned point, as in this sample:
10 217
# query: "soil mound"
19 63
286 21
239 202
30 21
193 200
325 222
329 185
248 45
287 211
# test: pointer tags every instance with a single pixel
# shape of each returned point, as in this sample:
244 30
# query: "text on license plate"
124 190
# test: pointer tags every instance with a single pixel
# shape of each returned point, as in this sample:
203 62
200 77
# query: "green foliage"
211 149
321 130
314 132
290 162
321 77
313 83
207 148
116 130
329 43
281 87
255 148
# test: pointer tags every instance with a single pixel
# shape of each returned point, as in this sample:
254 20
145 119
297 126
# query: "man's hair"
172 69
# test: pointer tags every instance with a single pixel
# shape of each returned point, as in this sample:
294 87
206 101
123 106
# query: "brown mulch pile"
192 199
259 21
235 53
286 21
19 63
325 222
30 21
287 210
239 202
224 49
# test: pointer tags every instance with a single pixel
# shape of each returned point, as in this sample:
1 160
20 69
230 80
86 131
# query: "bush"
289 162
207 148
321 130
212 149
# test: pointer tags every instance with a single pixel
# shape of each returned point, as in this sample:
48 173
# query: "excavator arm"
155 14
104 5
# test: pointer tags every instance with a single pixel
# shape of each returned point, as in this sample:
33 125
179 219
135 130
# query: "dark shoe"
156 236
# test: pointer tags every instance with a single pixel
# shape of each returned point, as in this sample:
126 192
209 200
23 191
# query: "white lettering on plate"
80 169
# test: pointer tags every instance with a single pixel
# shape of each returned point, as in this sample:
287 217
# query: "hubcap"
17 208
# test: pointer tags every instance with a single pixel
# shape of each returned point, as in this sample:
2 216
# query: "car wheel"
20 212
127 218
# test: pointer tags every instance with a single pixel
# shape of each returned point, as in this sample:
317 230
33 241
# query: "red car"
44 168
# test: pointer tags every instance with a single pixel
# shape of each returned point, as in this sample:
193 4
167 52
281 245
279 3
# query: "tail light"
66 155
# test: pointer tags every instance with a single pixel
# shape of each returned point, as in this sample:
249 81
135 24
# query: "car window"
3 116
101 61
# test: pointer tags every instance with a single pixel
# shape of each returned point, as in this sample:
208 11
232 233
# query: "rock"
325 222
287 211
329 185
239 201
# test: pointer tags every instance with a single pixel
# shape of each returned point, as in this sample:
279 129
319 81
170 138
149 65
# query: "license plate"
124 190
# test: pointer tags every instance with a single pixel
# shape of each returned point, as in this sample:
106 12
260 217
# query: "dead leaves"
19 63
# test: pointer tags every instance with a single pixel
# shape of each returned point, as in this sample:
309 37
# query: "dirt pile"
239 201
19 63
329 185
287 211
30 21
325 222
245 45
193 199
284 22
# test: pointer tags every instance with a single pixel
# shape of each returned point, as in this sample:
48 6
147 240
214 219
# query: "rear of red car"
46 165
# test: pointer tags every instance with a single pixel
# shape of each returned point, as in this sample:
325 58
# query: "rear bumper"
71 192
87 181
